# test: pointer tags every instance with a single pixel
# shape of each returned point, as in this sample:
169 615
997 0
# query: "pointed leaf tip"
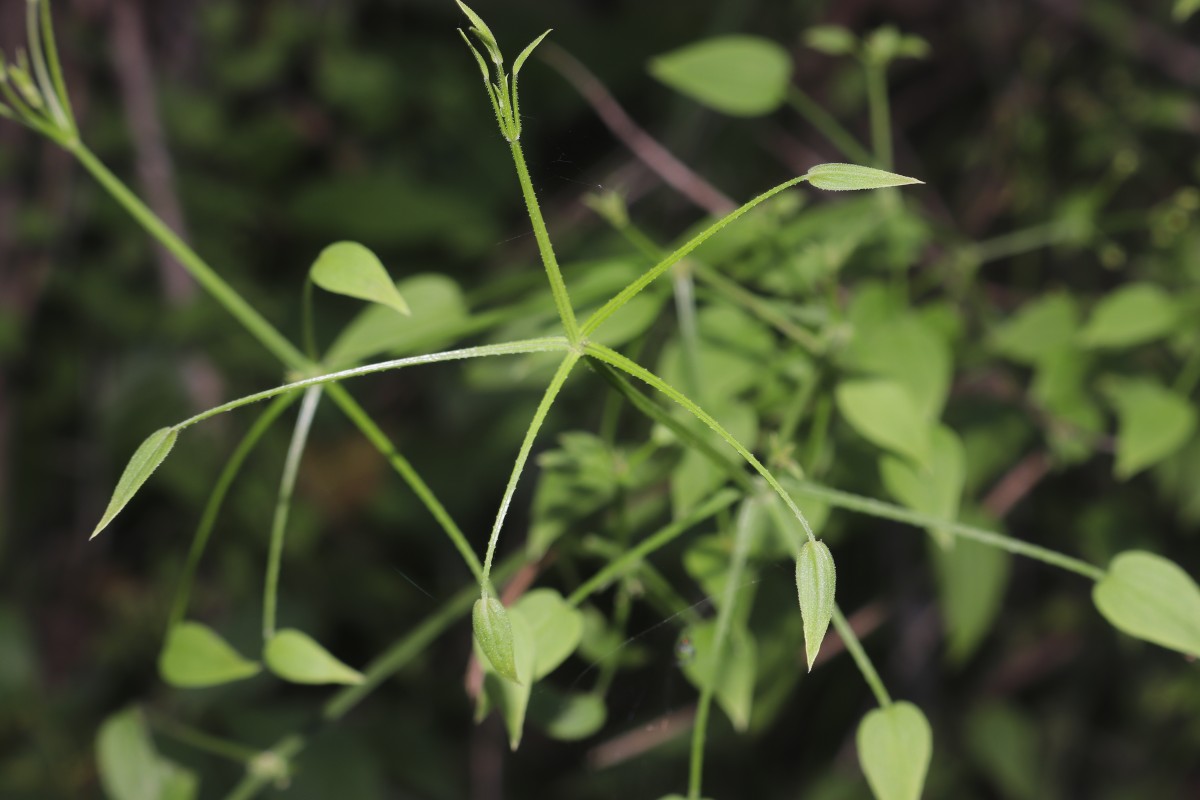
295 656
493 631
816 581
349 269
851 177
149 455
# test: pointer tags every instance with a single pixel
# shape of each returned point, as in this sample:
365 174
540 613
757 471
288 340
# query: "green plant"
892 402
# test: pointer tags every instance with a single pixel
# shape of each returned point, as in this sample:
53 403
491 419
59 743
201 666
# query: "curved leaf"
195 656
493 632
141 466
295 656
1132 315
852 177
350 269
556 627
1151 598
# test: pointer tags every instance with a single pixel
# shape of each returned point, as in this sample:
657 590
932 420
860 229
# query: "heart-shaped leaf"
1152 423
141 466
195 656
493 631
851 177
745 76
350 269
816 579
1151 598
295 656
1132 315
895 745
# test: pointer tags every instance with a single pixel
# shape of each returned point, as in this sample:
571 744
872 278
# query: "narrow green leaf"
556 628
195 656
295 656
832 40
493 632
895 745
1151 598
1152 423
1132 315
350 269
480 29
129 765
816 580
141 466
885 415
520 62
850 177
744 76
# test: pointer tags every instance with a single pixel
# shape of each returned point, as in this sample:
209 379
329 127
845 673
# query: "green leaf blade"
128 763
493 632
852 177
298 658
556 627
1151 598
743 76
195 657
1152 423
350 269
895 745
883 413
1134 314
145 460
816 582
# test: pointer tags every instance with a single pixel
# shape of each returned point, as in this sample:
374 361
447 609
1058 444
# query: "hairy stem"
860 658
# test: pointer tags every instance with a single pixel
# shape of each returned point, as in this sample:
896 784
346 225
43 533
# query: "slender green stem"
881 121
41 74
689 330
630 558
558 287
215 500
733 580
655 585
1025 240
375 435
829 127
641 373
878 508
200 740
539 416
759 308
287 484
548 344
221 291
860 658
261 772
626 294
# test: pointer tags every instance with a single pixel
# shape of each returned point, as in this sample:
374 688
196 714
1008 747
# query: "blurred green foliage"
1034 307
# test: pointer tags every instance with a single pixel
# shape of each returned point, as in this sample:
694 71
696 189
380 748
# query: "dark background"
266 130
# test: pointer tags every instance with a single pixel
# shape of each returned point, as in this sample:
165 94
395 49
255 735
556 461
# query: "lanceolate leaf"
350 269
511 697
141 466
816 580
895 745
493 631
849 177
295 656
1151 598
195 656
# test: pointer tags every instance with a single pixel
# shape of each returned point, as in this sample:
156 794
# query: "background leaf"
1151 598
883 413
895 745
1152 423
745 76
1132 315
556 628
295 656
195 656
350 269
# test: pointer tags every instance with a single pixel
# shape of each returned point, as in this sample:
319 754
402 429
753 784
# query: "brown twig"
1016 484
648 149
